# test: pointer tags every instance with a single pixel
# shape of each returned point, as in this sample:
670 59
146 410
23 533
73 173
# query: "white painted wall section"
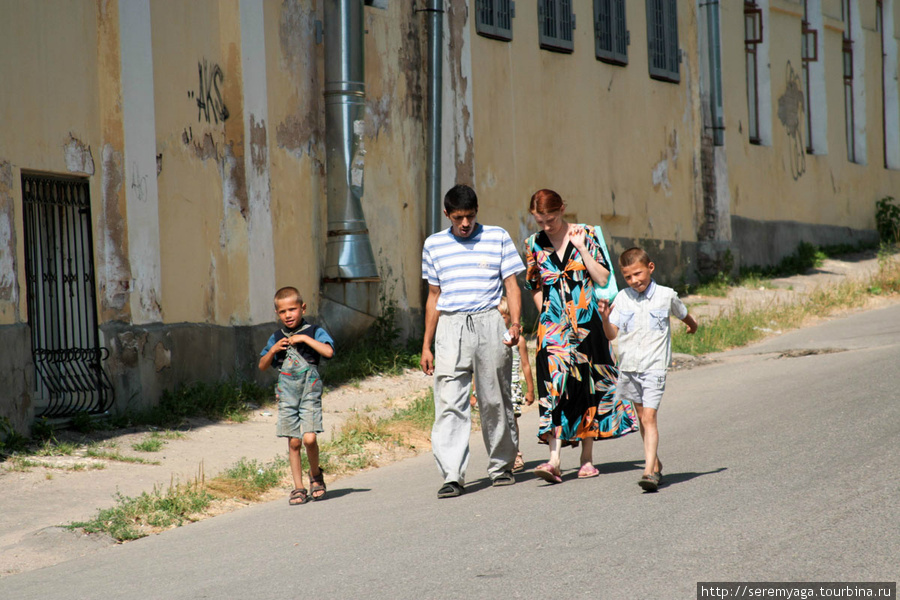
261 261
141 193
891 93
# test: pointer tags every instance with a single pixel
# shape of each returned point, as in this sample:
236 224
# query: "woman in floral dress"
576 371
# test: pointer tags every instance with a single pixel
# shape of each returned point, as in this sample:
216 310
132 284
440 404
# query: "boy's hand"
529 398
299 338
604 308
691 324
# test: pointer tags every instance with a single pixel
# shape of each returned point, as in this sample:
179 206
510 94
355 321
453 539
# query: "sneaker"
504 478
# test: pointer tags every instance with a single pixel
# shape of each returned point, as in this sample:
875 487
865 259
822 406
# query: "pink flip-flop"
587 471
548 473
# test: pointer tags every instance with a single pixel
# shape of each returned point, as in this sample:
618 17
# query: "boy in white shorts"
639 316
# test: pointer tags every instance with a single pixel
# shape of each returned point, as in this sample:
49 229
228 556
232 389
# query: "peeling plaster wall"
50 123
618 146
395 152
9 284
141 190
296 126
458 143
780 195
203 203
256 163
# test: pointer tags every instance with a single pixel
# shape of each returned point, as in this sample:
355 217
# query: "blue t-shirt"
310 355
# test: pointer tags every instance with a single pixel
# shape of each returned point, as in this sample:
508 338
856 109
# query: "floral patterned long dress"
576 371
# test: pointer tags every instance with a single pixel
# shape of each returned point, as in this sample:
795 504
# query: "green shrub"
887 220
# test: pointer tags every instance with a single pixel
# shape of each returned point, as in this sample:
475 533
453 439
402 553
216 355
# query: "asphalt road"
778 469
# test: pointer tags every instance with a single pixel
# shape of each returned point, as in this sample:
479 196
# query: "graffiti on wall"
792 116
210 106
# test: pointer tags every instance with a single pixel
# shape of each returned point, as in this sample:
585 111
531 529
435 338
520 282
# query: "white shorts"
642 388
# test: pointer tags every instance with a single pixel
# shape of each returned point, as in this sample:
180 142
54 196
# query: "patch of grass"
10 440
376 352
133 518
419 413
249 479
150 444
116 456
740 327
22 464
230 400
169 434
53 447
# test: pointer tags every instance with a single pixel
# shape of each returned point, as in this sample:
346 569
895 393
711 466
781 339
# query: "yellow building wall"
617 145
765 181
49 116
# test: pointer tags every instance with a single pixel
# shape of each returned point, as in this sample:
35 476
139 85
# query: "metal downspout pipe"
435 30
349 301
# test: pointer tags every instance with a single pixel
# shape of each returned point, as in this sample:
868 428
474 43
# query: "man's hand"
529 398
511 338
427 362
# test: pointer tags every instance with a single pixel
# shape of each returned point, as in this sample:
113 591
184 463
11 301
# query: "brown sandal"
317 484
298 497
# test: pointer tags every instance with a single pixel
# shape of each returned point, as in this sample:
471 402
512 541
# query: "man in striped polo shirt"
467 267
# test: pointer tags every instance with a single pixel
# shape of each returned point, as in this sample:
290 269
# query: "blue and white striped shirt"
470 271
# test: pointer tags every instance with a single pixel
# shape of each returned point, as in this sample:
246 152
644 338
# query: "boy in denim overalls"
295 350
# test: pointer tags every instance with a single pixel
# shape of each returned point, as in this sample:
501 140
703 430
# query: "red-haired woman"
576 371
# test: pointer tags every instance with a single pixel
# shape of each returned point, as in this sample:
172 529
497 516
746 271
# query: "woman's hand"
577 237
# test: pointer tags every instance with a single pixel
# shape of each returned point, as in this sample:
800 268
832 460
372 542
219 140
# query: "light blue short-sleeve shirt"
470 271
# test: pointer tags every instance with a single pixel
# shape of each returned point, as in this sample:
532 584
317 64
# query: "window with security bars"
809 53
753 37
849 112
493 18
556 23
610 33
662 40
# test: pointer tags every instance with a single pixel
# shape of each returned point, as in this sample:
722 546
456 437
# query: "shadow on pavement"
676 478
337 493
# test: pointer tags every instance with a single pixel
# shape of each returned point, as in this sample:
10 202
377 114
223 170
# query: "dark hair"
544 201
632 256
286 293
460 197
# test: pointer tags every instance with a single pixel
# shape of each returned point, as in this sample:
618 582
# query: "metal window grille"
62 310
753 36
610 31
809 52
556 24
662 40
493 18
717 111
847 56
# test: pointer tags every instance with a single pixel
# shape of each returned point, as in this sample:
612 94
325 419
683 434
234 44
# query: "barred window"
493 18
753 37
610 33
556 22
662 40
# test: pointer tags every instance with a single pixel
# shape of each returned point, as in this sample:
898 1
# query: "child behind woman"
521 369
